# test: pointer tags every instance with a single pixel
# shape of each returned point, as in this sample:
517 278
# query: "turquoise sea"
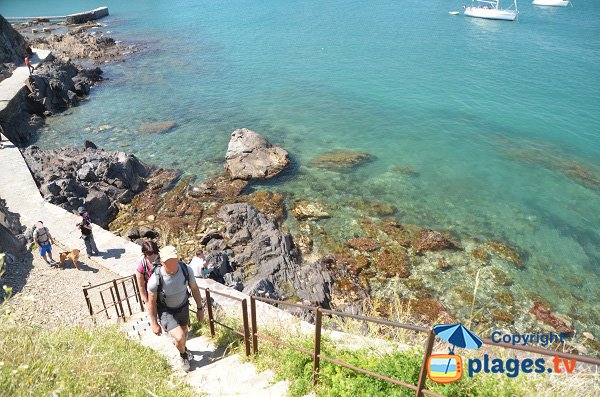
498 121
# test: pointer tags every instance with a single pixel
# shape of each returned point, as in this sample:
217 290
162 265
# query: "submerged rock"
158 127
309 210
250 156
430 240
338 160
545 315
364 244
507 252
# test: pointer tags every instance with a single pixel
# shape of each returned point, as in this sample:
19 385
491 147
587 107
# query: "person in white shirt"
198 265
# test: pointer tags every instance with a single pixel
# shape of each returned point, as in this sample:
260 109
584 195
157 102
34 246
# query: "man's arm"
156 328
198 299
142 287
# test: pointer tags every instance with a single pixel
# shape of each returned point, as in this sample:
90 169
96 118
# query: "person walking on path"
44 240
168 301
145 266
29 66
198 265
86 232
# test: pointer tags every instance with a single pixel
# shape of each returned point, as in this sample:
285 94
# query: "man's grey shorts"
172 318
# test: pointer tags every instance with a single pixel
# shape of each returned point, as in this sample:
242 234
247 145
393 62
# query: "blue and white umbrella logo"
457 335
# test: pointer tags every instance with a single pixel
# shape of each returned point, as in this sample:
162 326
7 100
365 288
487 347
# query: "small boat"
454 13
490 9
551 3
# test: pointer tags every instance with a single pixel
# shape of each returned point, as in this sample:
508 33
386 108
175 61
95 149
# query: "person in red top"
29 66
144 268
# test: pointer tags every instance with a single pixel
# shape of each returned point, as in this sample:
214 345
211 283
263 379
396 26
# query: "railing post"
112 294
137 293
423 373
89 304
104 305
119 299
254 330
211 323
246 327
316 359
127 298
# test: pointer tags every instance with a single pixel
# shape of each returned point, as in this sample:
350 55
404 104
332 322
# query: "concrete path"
211 371
19 190
10 86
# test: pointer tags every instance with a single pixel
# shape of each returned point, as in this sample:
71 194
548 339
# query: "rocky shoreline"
62 81
274 244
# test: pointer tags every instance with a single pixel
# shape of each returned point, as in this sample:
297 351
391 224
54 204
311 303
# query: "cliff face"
13 48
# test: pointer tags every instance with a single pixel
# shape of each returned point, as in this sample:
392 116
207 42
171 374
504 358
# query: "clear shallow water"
493 116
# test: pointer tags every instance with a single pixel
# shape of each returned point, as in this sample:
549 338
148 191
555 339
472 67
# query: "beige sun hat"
168 252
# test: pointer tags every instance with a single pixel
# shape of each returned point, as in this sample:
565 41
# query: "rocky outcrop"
269 262
55 86
250 156
13 48
311 210
11 231
81 43
98 180
58 85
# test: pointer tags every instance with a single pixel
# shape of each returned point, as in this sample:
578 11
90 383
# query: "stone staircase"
212 372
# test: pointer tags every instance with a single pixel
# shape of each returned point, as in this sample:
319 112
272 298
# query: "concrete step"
212 372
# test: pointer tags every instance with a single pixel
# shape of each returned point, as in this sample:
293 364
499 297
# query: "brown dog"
73 256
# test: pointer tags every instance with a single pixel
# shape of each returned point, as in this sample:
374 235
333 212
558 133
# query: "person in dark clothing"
86 232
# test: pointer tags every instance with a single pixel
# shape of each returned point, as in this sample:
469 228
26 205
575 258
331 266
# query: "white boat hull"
551 3
491 13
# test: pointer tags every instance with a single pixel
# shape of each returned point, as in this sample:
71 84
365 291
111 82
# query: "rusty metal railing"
419 389
116 296
245 333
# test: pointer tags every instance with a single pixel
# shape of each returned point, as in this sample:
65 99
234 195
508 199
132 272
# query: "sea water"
490 129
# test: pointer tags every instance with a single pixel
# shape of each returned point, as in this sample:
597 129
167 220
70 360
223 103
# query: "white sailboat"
490 9
551 3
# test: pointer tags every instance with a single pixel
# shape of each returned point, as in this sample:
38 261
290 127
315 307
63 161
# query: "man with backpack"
85 226
44 240
168 300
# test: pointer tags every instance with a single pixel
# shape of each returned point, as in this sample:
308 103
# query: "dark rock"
89 145
250 156
13 47
261 246
212 234
263 288
216 245
98 180
133 234
146 232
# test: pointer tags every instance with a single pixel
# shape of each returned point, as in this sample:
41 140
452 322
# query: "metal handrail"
420 389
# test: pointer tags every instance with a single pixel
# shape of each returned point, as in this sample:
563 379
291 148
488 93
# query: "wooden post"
423 373
211 323
316 359
254 328
246 326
